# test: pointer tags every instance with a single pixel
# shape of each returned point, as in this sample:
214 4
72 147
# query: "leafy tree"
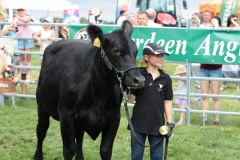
83 20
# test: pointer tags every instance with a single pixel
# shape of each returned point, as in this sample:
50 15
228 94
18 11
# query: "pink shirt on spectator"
23 30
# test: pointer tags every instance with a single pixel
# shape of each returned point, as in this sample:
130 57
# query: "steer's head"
118 53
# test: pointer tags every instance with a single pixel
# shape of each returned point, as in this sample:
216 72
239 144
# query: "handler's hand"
170 131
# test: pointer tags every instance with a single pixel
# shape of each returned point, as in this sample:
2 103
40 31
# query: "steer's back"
65 65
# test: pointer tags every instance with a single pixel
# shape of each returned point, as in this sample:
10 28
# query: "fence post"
1 100
188 107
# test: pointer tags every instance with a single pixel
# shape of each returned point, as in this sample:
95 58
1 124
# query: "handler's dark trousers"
156 152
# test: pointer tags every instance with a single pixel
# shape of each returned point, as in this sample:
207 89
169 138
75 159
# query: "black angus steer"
81 85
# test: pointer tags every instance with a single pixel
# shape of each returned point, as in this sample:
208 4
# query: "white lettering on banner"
161 42
218 49
151 40
218 46
205 46
227 12
140 41
184 47
168 47
231 46
171 44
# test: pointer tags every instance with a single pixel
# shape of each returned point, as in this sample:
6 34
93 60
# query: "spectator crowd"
46 35
200 20
26 35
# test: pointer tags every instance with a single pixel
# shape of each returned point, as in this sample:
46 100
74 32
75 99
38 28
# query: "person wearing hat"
153 104
23 31
45 33
181 101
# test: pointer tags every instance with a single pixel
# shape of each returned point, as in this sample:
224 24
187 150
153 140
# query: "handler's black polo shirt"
148 112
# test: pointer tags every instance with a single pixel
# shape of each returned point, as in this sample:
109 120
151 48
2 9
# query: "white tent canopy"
49 5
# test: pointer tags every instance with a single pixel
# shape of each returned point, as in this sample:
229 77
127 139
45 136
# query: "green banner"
183 45
228 7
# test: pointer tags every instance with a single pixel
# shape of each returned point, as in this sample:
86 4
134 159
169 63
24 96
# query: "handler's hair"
144 63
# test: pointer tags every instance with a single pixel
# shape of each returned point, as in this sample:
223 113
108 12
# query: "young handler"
153 103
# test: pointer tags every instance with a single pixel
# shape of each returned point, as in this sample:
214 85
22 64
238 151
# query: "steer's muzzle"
133 81
139 81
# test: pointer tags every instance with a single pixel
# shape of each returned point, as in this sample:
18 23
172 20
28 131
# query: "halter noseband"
120 74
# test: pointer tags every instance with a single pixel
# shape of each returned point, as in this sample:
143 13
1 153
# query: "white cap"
48 19
23 8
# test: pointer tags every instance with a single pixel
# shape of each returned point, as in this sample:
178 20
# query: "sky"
109 8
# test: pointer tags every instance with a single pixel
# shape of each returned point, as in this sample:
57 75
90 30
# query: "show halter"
120 74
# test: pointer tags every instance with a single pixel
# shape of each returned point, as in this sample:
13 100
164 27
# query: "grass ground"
18 139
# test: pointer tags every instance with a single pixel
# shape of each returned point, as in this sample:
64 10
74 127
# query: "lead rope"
133 131
125 100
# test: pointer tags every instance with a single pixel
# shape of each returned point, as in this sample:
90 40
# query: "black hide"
78 89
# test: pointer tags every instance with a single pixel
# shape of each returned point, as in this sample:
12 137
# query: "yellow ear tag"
97 42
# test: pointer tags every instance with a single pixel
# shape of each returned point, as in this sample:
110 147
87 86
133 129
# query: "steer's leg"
108 136
79 140
68 132
42 127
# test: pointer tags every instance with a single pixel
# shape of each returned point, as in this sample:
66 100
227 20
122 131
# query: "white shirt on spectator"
151 23
121 19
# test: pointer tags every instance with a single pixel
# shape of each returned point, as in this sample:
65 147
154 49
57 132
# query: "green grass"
18 138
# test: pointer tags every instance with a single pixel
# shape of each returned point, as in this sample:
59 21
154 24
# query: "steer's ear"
93 32
127 27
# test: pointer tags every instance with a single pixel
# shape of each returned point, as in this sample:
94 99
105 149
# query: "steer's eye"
115 50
